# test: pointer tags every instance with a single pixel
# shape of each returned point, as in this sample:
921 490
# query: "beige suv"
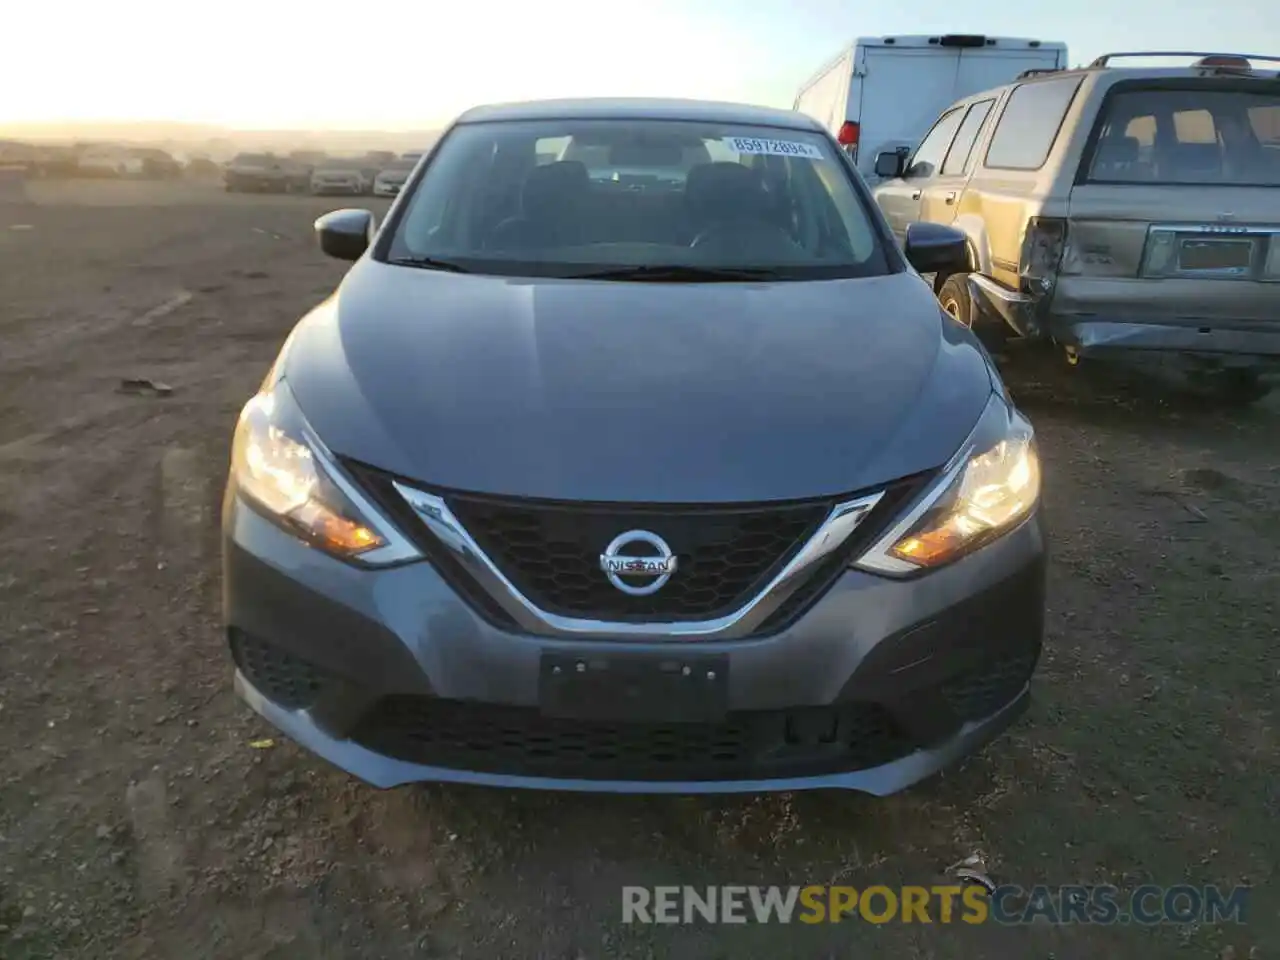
1122 212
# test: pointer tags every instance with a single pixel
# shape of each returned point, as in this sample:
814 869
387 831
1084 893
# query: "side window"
1265 121
928 156
1030 123
1194 126
957 161
1143 130
550 149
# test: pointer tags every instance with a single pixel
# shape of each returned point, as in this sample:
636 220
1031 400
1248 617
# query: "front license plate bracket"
635 688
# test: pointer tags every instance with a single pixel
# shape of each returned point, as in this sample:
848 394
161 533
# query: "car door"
940 198
900 198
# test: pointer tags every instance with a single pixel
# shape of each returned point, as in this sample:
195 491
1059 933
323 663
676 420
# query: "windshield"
581 197
1198 134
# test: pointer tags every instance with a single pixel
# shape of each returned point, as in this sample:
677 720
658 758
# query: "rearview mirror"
889 165
934 248
345 234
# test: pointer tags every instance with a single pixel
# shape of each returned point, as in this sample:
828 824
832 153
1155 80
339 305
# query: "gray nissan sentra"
632 454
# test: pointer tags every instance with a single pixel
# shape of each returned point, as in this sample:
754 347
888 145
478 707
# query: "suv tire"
953 296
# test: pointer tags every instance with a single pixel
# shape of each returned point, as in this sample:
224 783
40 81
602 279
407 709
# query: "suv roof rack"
1106 58
1037 71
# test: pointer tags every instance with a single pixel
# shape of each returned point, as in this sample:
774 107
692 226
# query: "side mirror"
889 165
345 234
934 248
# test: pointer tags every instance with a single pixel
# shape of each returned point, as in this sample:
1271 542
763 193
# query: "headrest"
548 186
725 191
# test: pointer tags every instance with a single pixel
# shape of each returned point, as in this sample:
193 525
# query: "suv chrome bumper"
1018 310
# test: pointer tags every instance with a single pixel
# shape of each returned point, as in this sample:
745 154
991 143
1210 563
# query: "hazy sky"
415 63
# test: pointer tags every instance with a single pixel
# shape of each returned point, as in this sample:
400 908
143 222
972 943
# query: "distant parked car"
202 168
266 172
1125 213
16 154
109 162
341 176
157 164
389 181
54 161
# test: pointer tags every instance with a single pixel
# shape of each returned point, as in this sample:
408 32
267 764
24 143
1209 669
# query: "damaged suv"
1130 213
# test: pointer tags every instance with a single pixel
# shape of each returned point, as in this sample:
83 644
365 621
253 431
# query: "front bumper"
386 189
392 677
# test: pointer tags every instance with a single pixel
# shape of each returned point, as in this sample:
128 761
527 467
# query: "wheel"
1239 388
954 297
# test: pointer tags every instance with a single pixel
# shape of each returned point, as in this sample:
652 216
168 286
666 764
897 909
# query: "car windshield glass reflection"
598 197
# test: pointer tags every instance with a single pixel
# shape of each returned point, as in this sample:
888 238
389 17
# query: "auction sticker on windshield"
776 148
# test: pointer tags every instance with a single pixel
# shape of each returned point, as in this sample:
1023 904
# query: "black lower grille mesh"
982 691
521 741
286 680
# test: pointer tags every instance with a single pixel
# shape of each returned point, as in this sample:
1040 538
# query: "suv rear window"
1194 134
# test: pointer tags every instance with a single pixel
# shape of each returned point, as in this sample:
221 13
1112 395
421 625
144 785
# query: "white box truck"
883 93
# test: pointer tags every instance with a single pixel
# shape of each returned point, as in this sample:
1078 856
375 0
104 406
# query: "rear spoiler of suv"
1205 59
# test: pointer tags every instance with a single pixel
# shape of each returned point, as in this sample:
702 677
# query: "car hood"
597 390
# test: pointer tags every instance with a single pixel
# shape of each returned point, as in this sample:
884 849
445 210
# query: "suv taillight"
1042 249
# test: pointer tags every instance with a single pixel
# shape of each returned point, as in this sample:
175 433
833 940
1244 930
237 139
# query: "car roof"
640 108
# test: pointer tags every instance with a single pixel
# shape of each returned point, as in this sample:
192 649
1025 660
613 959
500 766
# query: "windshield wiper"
678 273
429 263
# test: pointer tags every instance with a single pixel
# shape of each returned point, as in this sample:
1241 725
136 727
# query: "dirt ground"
137 821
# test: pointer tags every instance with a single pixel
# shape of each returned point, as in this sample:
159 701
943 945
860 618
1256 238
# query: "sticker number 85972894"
777 148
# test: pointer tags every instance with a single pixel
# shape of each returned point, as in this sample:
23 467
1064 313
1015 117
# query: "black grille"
521 741
286 680
575 586
982 691
551 552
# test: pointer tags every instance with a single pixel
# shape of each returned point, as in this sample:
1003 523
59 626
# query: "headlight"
987 489
283 470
